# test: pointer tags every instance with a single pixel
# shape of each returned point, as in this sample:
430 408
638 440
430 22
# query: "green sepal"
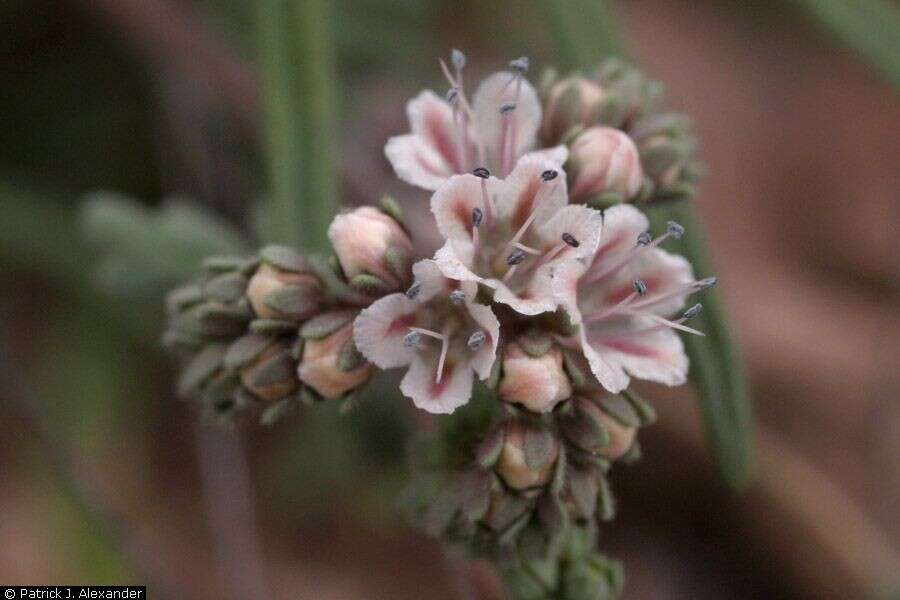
278 411
277 369
539 444
272 326
200 369
321 326
620 409
488 450
644 409
284 258
245 349
227 287
293 301
535 342
370 285
350 358
583 487
606 502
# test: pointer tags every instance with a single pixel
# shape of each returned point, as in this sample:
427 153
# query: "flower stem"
298 89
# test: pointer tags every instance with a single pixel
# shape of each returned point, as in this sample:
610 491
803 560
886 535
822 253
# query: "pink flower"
450 136
621 296
508 234
604 159
436 329
362 239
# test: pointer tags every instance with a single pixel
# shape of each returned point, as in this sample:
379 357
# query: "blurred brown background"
152 97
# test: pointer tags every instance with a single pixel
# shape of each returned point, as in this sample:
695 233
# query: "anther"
519 65
507 108
674 229
570 240
644 239
414 290
693 311
707 283
457 296
457 58
640 287
452 96
476 340
477 216
515 257
411 339
481 172
549 175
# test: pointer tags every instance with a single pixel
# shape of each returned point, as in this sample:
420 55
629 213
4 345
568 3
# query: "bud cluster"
260 335
624 145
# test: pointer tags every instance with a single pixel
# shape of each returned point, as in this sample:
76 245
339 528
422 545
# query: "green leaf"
870 28
716 368
584 31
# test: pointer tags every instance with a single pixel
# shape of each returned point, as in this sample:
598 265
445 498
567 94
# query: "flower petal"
582 223
662 272
495 91
415 162
454 260
379 330
611 376
431 281
565 278
622 224
558 154
656 355
454 389
483 359
526 192
535 299
455 200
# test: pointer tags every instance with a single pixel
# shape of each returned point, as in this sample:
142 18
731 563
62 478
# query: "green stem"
298 89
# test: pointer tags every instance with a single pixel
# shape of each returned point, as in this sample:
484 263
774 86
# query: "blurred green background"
138 141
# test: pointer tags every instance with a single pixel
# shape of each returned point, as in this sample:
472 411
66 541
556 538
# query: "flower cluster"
549 289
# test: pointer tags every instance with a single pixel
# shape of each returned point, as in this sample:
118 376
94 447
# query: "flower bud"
331 365
275 293
619 436
538 383
369 242
271 375
513 466
604 159
571 102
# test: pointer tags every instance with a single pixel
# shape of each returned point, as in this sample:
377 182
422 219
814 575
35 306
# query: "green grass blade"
870 28
583 31
298 93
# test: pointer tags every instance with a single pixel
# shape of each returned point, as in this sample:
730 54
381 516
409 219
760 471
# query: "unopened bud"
604 159
513 467
619 437
572 102
322 367
537 383
362 239
283 295
270 375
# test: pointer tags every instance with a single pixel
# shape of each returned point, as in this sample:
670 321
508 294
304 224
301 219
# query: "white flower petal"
483 359
558 154
431 281
453 260
415 162
453 391
455 200
495 91
581 222
611 376
379 331
537 298
622 224
526 193
657 355
565 278
662 273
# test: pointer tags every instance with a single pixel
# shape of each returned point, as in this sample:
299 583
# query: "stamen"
457 296
640 287
549 174
674 229
519 65
411 339
690 288
507 108
677 324
452 96
707 283
445 345
477 216
515 257
644 239
483 174
476 340
693 311
458 59
428 332
569 239
527 249
414 290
